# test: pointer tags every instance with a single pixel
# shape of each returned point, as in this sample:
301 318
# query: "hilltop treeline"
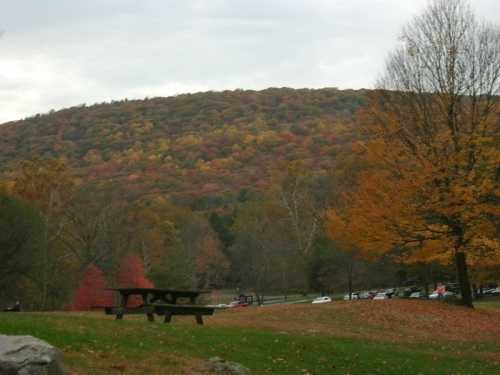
190 146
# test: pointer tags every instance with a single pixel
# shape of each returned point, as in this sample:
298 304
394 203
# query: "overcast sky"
61 53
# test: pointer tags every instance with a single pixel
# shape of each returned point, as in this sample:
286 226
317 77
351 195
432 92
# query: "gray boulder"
27 355
220 366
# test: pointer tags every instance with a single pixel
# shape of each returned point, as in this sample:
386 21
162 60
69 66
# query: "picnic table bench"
160 302
169 310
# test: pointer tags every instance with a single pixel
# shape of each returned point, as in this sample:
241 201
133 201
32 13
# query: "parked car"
391 292
417 295
446 294
495 291
364 295
372 293
354 295
324 299
434 295
219 306
409 291
237 303
382 295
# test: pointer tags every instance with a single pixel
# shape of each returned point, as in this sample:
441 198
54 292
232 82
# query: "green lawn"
488 304
94 344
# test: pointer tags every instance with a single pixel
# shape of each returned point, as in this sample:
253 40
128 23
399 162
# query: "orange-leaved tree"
433 143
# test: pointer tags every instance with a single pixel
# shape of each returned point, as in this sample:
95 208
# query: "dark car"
391 292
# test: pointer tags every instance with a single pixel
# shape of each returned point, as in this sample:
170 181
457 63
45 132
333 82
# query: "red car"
235 304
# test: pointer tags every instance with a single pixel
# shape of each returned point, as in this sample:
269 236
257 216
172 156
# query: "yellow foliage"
189 140
426 197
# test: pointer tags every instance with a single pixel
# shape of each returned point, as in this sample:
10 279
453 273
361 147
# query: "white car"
219 306
416 295
445 294
322 300
381 296
353 296
434 295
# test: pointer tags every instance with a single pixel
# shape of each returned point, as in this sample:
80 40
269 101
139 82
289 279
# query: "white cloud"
61 53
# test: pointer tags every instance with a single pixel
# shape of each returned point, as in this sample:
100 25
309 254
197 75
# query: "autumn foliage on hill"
91 290
189 145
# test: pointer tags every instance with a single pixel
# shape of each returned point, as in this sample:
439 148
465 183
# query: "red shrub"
131 275
91 290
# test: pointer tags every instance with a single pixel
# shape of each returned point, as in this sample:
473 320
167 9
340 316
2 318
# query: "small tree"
21 228
263 253
131 275
91 290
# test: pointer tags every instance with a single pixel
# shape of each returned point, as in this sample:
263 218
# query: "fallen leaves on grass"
390 320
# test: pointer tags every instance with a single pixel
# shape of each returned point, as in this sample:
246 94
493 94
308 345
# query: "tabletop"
158 290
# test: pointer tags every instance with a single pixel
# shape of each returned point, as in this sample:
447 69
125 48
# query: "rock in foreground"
27 355
220 366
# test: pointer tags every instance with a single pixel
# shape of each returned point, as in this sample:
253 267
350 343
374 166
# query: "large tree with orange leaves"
433 144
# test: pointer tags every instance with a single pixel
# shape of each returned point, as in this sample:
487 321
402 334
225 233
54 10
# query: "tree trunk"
463 279
474 291
349 281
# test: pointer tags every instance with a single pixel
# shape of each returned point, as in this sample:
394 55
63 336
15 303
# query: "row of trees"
285 239
55 231
65 242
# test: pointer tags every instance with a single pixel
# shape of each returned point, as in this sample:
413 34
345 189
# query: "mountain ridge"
200 144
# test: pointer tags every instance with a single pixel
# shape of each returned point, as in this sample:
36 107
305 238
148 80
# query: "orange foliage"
423 198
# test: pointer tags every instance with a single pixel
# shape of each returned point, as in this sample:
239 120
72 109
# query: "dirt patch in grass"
389 320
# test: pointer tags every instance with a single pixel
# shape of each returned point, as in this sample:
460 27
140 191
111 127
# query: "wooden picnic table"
159 301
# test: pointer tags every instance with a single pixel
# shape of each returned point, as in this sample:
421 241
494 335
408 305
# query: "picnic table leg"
124 301
145 302
199 319
168 317
193 300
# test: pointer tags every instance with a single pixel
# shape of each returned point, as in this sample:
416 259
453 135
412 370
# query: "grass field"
359 337
488 304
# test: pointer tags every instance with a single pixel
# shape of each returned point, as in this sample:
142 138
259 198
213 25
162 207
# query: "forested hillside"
198 149
223 189
226 189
